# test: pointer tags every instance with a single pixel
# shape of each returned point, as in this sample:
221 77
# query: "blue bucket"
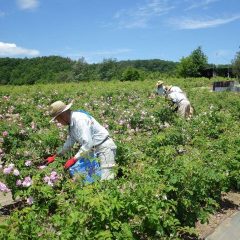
90 169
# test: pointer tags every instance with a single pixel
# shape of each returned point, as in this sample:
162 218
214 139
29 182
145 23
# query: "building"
226 86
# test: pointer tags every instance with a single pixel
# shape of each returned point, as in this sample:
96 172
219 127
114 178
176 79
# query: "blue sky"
123 29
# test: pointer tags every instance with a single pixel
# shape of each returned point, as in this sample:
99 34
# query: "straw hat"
168 87
57 108
159 83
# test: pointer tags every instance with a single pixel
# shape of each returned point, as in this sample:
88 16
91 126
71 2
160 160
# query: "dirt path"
229 206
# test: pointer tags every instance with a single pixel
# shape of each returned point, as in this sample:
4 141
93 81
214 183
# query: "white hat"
57 108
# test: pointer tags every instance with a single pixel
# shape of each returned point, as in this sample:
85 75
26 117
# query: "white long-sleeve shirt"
175 89
85 130
177 97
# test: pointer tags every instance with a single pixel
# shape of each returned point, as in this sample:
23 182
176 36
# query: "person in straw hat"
161 89
92 136
177 97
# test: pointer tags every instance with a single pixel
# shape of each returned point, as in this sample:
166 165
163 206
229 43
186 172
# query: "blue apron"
89 168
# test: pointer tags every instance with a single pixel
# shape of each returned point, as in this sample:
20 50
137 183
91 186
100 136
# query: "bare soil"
230 204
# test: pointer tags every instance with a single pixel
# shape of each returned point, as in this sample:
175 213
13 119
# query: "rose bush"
168 177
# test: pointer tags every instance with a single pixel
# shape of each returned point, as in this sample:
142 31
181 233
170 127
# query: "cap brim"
65 109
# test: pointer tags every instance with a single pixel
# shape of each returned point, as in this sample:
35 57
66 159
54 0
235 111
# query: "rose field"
170 172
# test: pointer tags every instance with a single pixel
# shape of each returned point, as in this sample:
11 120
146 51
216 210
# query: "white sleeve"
84 136
171 97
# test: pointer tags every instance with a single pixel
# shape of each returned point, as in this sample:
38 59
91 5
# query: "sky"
122 30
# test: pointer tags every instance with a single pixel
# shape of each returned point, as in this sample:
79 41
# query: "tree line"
18 71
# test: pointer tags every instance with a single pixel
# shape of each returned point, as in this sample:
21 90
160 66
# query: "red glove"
70 162
51 159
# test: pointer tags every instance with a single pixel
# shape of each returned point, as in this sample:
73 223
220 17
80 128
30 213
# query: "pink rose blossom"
50 180
27 182
54 176
7 170
5 134
18 182
33 125
28 163
30 200
42 167
4 188
121 122
46 179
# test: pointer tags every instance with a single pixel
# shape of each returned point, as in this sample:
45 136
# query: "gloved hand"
70 162
51 159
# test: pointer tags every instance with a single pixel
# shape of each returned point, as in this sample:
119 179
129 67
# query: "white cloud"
199 4
11 49
28 4
141 15
203 23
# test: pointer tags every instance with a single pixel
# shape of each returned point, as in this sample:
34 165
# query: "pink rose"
5 134
7 170
27 182
30 200
28 163
18 182
42 167
4 188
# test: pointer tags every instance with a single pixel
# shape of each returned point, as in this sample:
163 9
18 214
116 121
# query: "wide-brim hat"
168 87
159 83
57 108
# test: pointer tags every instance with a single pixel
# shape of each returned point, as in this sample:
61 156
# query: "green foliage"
108 69
59 69
168 176
236 64
193 65
130 74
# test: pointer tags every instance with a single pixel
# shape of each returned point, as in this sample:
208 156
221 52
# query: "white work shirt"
177 97
85 130
175 89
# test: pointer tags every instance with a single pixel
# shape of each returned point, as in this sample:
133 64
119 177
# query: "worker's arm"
67 145
84 135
